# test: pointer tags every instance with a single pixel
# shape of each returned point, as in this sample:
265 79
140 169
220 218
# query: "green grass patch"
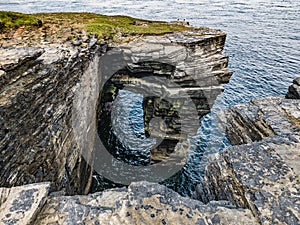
111 25
15 20
106 27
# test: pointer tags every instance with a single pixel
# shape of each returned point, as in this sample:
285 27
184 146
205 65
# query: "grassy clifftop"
65 26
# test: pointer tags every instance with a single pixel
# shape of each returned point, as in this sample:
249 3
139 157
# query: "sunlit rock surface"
21 205
142 203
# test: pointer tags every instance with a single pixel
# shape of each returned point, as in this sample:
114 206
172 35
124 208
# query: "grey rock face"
180 75
39 91
36 138
261 172
294 90
262 118
262 176
141 203
21 205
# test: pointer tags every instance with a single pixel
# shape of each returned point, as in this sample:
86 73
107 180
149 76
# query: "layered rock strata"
49 94
179 75
261 172
37 142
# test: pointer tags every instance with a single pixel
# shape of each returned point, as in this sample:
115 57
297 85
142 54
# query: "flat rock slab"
20 205
141 203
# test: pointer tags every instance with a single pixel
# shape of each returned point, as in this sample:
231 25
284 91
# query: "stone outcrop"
261 176
262 118
294 90
180 75
140 203
48 106
21 205
49 94
261 172
37 143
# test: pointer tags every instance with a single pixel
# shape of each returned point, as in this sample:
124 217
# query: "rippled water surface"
263 42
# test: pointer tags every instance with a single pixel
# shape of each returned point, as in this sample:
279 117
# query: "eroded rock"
36 95
179 75
262 118
142 203
261 172
21 205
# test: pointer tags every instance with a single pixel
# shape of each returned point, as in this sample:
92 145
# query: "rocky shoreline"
253 183
261 171
256 181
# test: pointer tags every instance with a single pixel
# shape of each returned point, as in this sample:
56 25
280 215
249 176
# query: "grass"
14 20
110 26
105 27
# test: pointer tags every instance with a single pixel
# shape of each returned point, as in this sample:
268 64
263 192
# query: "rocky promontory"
51 82
51 74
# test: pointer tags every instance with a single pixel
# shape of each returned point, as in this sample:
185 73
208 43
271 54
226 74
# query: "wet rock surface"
294 90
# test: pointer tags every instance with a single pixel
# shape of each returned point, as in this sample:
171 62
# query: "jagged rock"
262 175
180 75
12 58
262 118
36 138
21 205
141 203
294 90
49 94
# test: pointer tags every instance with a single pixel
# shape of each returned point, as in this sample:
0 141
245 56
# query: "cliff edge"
261 171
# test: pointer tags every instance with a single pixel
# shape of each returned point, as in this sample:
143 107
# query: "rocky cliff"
37 87
49 93
261 172
179 75
255 181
